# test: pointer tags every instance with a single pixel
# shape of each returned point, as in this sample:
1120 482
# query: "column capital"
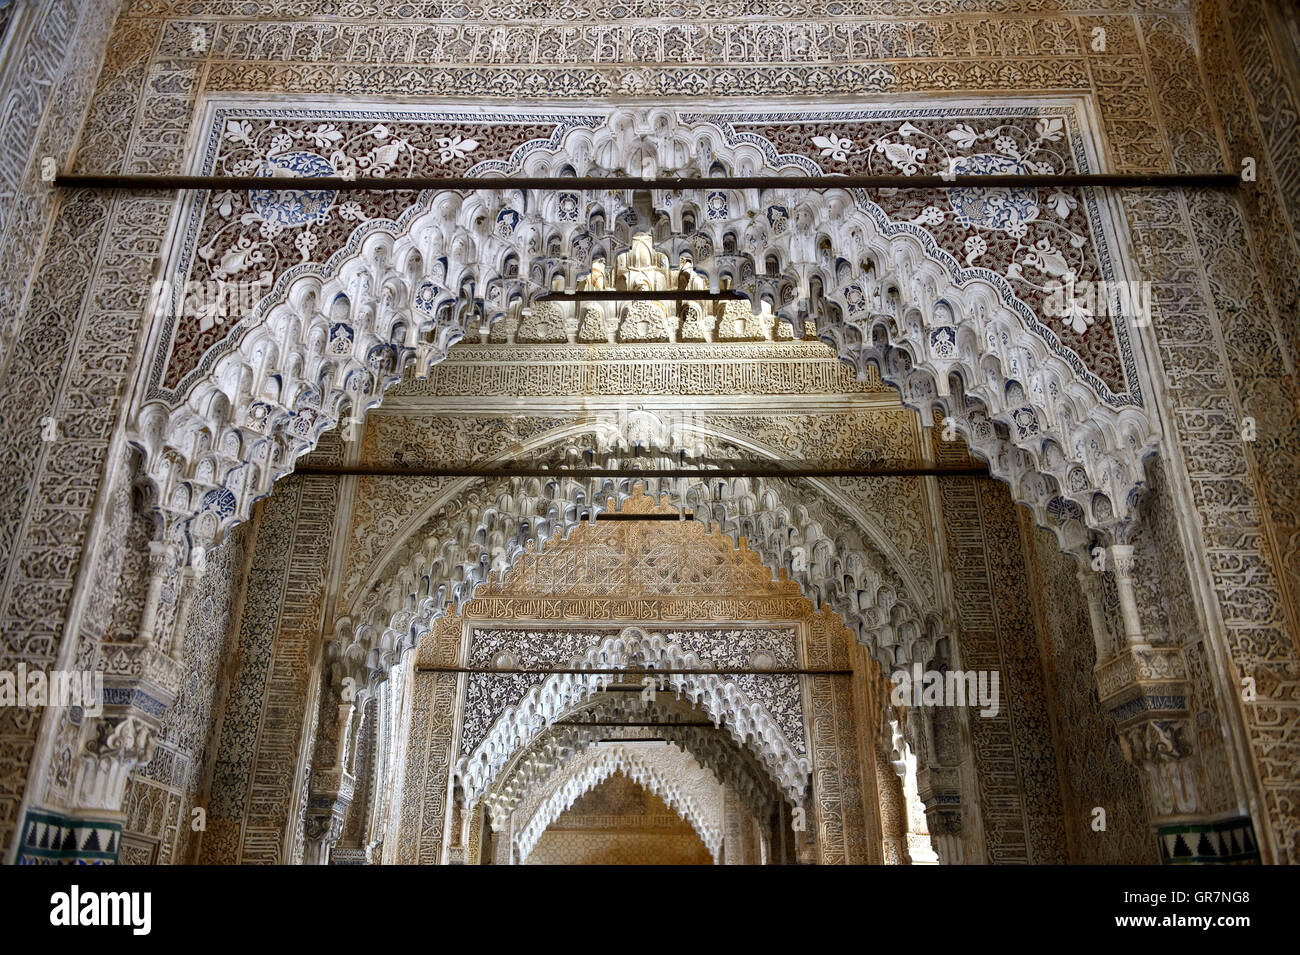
110 755
164 556
1162 748
1121 556
327 806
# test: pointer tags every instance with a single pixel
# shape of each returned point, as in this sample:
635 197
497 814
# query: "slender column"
162 561
1090 584
893 810
458 825
1122 560
332 787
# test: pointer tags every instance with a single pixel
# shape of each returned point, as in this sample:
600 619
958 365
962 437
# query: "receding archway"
801 529
619 821
670 774
514 735
531 511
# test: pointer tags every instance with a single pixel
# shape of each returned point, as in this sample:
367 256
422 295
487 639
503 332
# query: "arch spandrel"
953 335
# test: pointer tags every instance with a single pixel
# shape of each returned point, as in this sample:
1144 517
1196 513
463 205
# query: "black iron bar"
667 295
632 739
624 688
619 516
510 471
631 671
1211 180
691 723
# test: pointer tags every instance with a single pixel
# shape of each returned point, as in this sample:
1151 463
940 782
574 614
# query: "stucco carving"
328 345
747 722
599 764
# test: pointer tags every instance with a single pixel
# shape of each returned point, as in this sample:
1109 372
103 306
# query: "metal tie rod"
1212 180
615 671
667 295
686 723
627 472
617 516
632 739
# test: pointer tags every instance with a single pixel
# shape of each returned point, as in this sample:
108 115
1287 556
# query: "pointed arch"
951 338
532 770
598 764
493 523
748 722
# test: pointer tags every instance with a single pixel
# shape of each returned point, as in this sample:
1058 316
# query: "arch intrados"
878 615
743 771
876 536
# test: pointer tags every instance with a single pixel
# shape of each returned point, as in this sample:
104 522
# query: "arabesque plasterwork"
1168 89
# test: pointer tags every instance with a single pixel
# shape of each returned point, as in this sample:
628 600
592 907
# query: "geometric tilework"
50 839
1227 841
